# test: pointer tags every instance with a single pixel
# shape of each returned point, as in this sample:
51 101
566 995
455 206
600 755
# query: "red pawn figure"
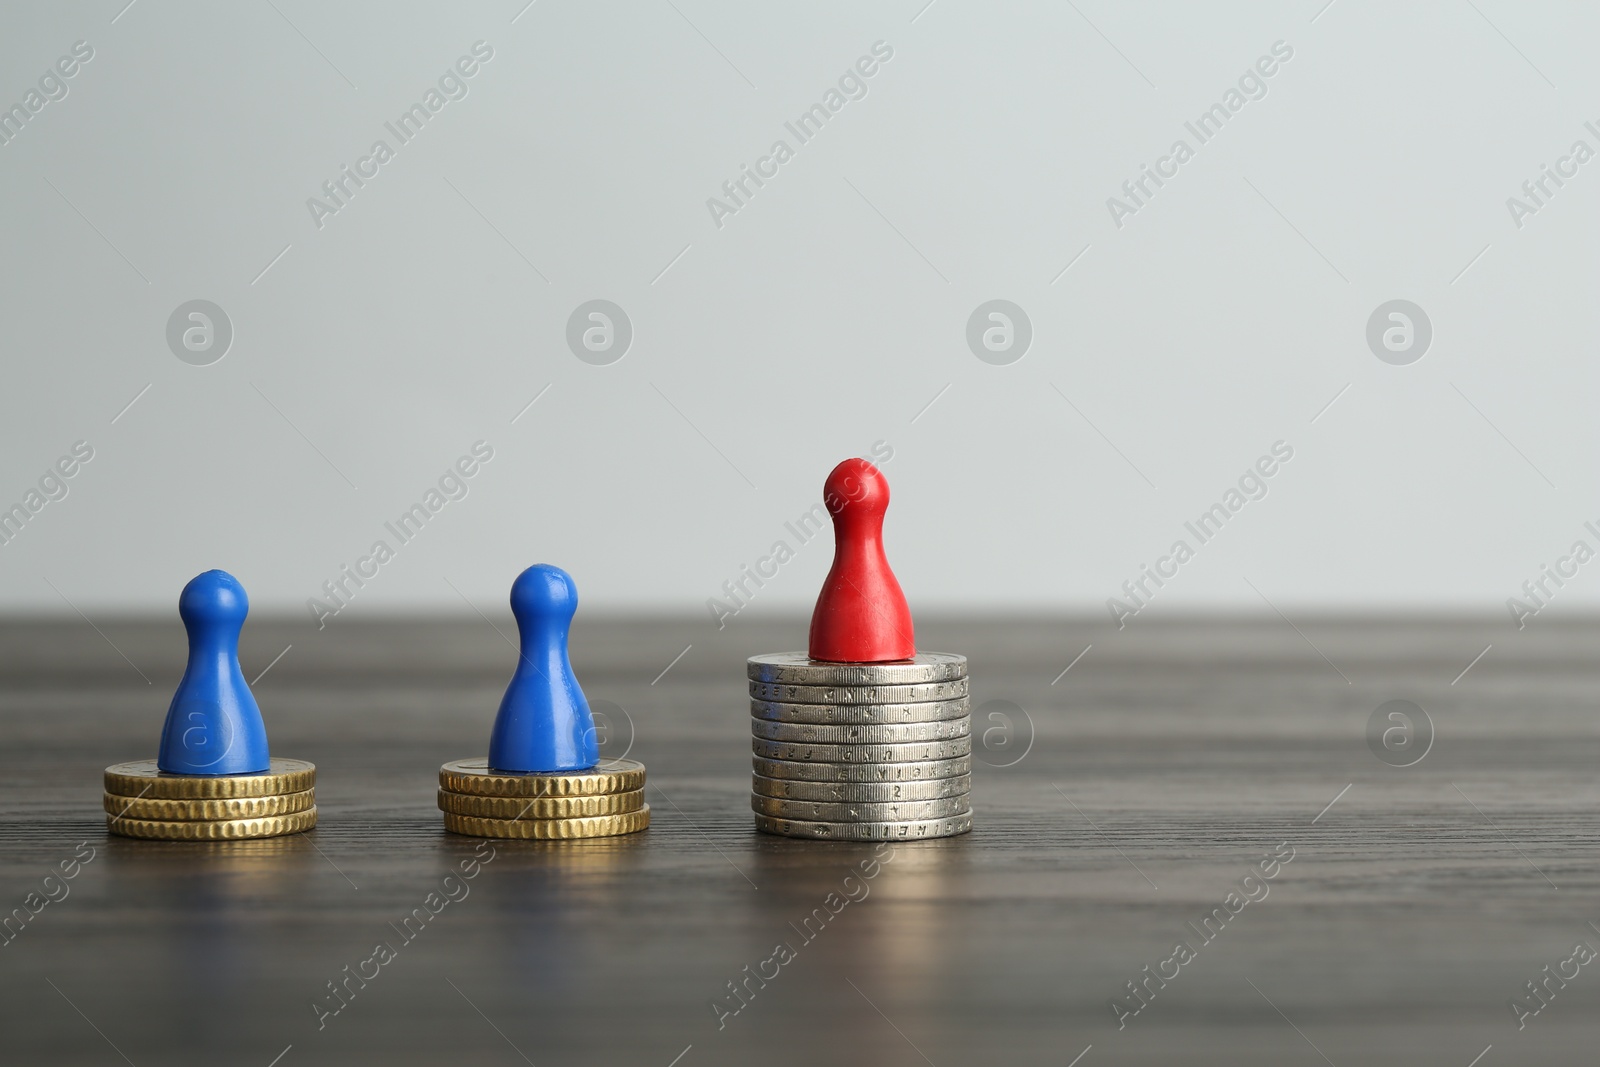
861 615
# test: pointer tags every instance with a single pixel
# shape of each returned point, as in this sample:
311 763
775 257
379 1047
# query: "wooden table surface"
1126 800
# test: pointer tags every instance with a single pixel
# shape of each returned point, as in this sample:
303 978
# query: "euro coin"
861 714
897 811
862 792
221 809
550 829
921 829
473 776
798 668
540 807
911 752
141 778
797 770
858 694
874 734
213 829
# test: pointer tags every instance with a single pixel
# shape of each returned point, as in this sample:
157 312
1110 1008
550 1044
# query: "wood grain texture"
1164 764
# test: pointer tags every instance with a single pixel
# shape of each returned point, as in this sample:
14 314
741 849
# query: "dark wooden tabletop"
1117 806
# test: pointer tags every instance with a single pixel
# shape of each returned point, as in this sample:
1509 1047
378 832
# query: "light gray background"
826 315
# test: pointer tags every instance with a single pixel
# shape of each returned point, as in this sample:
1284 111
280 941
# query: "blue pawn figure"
544 722
213 725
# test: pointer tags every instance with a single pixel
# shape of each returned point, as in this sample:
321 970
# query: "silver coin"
861 714
798 668
922 829
862 792
795 771
857 734
896 811
858 694
911 752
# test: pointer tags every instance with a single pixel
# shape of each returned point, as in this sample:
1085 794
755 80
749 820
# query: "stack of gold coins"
602 801
142 801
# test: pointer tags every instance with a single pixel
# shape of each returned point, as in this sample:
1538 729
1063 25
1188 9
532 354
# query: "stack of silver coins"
861 751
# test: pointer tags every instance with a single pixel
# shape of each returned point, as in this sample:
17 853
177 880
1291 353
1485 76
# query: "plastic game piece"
213 725
861 614
543 778
544 723
213 779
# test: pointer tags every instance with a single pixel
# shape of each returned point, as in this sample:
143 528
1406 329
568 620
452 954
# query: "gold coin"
141 779
473 777
540 807
543 829
214 830
208 810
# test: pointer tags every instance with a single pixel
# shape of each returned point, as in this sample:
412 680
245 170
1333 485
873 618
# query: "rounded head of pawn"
214 598
544 593
856 488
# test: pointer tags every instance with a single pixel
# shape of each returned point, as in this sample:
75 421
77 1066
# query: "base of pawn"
605 800
141 801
